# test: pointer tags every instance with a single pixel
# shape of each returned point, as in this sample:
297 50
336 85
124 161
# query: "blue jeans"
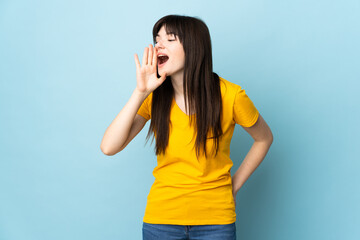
152 231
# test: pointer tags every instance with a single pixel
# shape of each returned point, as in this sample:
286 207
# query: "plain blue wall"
67 69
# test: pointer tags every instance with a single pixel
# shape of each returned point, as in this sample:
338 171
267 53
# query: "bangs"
172 25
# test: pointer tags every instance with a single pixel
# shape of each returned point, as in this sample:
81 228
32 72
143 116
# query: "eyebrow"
170 33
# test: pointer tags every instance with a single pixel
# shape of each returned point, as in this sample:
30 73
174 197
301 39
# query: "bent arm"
117 133
263 137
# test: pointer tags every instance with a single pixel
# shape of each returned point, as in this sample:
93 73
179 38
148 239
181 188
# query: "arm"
127 123
263 137
116 135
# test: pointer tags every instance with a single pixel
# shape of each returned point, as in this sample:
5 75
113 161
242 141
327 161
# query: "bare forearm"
118 131
252 160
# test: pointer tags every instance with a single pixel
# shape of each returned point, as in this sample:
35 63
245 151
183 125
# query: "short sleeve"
245 112
145 108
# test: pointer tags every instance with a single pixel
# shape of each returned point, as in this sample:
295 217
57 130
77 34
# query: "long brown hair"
201 85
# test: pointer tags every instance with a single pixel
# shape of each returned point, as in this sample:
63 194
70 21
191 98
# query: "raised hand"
146 75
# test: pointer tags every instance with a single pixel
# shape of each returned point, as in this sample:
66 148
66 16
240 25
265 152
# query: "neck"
177 82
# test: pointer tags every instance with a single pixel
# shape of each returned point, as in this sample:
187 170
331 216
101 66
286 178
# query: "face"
170 46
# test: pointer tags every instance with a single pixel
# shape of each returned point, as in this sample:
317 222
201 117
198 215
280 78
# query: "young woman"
193 113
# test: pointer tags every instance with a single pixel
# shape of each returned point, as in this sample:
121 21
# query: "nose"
159 44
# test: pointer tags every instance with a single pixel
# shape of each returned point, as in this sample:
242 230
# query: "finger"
150 54
137 63
155 57
145 56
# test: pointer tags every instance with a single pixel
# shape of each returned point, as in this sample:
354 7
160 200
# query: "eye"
171 40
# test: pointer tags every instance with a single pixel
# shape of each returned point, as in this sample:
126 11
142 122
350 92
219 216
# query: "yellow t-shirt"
187 191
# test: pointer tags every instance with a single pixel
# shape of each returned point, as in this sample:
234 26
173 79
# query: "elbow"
268 139
271 138
107 151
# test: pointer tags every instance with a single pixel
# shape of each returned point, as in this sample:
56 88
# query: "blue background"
67 69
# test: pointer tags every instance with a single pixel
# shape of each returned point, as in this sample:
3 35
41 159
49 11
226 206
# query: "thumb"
163 77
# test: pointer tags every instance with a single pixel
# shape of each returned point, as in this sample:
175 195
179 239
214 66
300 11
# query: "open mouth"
162 59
